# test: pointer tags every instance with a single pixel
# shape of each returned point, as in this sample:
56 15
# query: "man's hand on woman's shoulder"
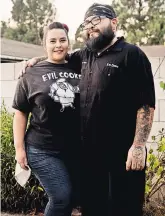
30 63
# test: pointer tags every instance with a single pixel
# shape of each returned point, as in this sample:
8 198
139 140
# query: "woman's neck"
56 62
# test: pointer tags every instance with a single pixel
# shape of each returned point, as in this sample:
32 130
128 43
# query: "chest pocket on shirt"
108 75
111 69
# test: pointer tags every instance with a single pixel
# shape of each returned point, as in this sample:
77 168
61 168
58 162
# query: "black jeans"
56 172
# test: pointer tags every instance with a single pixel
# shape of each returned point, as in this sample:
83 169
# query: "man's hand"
30 63
21 158
137 153
26 64
136 157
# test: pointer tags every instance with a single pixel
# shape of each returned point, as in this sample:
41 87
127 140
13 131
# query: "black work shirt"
50 92
114 85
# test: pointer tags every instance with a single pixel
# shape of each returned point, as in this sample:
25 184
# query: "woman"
51 144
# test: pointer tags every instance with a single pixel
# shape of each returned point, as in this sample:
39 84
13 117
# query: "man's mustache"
93 31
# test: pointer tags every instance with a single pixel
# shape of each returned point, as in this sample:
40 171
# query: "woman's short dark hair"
54 25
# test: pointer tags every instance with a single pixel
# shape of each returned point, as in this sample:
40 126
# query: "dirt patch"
7 214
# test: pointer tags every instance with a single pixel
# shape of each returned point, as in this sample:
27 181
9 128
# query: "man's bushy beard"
102 41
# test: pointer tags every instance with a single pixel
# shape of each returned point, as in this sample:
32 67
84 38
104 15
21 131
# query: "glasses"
94 21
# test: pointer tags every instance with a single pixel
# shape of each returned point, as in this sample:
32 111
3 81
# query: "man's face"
98 32
94 25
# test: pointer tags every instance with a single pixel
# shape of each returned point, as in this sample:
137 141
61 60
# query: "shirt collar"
116 47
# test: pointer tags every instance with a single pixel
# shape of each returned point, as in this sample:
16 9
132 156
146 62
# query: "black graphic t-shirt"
50 92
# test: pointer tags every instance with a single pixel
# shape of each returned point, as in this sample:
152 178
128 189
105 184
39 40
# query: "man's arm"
137 153
74 60
40 58
30 63
145 104
143 125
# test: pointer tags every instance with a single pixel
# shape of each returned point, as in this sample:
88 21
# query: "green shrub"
14 198
162 85
155 178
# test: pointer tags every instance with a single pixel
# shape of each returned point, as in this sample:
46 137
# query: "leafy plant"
142 22
155 174
15 198
162 85
29 16
32 197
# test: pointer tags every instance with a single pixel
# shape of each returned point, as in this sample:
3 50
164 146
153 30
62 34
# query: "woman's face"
56 45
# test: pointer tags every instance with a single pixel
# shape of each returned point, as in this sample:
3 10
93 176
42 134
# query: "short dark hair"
54 25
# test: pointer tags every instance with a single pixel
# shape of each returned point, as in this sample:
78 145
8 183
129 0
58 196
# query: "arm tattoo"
143 125
137 153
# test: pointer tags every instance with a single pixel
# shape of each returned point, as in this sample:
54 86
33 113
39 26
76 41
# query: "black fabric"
114 85
51 93
112 194
100 10
24 106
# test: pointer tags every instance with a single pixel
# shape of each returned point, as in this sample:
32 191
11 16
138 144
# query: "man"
117 108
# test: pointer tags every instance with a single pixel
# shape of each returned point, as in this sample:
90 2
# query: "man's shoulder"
133 49
134 54
78 53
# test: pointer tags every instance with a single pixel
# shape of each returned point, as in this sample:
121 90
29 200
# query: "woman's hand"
21 158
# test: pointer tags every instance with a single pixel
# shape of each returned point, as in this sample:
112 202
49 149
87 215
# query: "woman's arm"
19 127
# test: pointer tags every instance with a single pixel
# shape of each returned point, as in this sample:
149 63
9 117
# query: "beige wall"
10 71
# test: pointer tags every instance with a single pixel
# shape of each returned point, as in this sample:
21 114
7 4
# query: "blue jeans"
53 169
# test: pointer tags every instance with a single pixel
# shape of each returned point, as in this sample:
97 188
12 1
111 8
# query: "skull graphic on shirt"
63 92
